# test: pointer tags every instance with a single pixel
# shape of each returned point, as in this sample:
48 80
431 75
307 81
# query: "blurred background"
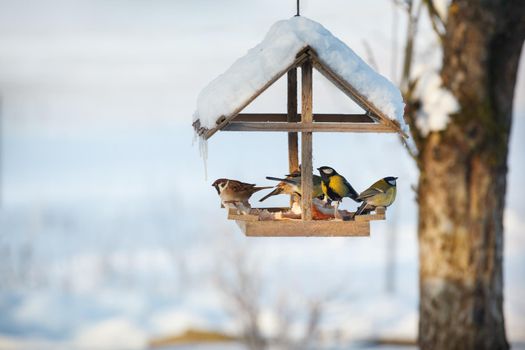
111 236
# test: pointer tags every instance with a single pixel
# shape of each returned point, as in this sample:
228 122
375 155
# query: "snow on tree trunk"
462 186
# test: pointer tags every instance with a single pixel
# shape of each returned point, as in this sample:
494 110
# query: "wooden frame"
296 117
306 141
306 123
251 225
308 127
292 116
308 54
300 228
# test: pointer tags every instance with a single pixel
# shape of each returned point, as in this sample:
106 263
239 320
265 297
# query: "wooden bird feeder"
374 120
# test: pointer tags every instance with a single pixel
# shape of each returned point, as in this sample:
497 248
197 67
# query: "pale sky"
164 51
77 74
97 98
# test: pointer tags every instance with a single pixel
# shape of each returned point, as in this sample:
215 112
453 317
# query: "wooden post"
293 146
306 141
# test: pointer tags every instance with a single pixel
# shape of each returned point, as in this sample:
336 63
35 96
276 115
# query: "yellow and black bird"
335 187
381 194
292 185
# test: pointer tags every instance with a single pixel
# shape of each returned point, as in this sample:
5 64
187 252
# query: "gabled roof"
287 44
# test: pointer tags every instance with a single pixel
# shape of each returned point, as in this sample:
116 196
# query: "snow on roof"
275 53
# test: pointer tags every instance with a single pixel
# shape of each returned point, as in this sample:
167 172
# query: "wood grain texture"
306 141
371 217
308 127
380 210
461 229
293 140
298 228
318 117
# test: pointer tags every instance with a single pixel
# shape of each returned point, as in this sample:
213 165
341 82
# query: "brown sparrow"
235 194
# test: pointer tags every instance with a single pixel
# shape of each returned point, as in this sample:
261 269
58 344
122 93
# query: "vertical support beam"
293 142
306 141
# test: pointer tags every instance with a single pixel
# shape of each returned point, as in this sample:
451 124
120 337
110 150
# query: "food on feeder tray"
235 194
381 194
292 185
320 211
294 213
336 187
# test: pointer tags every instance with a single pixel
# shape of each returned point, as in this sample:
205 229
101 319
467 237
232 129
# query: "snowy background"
110 234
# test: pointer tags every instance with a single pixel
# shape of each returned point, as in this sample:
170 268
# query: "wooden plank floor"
299 228
252 225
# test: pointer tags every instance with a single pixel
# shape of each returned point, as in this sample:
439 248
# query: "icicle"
194 139
203 150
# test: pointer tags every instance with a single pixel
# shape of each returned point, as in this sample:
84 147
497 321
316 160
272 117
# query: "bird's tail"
360 209
354 195
296 173
273 193
257 189
288 181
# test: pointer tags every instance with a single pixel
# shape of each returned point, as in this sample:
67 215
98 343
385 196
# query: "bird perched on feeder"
381 194
235 194
335 187
292 185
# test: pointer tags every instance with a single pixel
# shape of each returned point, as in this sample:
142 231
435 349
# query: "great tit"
335 187
381 194
292 185
235 194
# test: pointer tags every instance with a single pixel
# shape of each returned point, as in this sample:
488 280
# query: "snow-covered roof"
232 90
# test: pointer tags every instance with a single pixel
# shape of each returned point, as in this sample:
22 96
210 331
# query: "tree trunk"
462 185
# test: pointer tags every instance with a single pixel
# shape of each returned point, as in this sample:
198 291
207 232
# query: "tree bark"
462 184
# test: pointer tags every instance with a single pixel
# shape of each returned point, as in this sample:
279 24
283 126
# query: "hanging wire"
298 12
393 31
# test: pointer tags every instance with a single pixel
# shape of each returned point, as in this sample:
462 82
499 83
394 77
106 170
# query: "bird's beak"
396 178
319 169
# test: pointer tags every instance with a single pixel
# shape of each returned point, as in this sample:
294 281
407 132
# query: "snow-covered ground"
109 233
145 265
114 272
